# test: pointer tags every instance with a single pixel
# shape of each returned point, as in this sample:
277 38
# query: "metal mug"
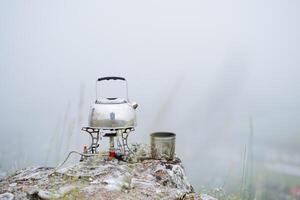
163 145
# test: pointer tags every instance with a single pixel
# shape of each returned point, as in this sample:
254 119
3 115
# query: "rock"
6 196
43 194
32 190
2 175
98 178
207 197
13 185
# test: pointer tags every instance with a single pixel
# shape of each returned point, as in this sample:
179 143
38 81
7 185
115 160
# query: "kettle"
112 113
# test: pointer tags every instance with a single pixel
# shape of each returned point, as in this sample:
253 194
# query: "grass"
275 185
276 177
73 194
221 194
270 185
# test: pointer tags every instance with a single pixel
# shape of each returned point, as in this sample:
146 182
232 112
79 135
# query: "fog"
205 70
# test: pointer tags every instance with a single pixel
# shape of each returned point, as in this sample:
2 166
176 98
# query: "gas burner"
108 132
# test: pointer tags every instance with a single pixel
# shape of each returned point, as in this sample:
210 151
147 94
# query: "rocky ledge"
97 178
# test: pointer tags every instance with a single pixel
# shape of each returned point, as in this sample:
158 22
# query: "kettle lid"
111 101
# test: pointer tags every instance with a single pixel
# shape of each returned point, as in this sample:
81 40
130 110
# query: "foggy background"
202 69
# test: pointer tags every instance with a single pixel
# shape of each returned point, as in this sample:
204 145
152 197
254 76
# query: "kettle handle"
112 78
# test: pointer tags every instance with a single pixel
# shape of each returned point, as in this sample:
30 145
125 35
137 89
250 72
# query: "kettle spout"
134 105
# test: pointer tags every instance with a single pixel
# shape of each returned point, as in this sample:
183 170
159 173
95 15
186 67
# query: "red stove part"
85 148
112 154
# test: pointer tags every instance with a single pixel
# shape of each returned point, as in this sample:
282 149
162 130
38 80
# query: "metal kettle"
112 113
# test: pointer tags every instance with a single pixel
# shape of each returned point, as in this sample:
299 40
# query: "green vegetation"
276 177
275 185
73 194
269 185
222 195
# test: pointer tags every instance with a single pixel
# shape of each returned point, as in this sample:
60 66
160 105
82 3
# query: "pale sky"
198 68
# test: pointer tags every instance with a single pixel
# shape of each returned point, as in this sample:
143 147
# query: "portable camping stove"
120 134
114 118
